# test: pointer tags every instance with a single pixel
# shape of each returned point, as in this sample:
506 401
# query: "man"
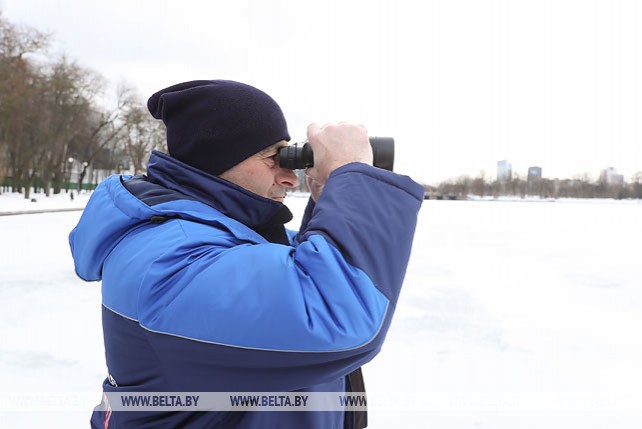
204 290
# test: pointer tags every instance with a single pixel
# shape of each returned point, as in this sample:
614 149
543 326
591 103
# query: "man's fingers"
313 129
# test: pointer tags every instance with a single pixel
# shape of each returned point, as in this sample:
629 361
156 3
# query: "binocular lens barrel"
297 157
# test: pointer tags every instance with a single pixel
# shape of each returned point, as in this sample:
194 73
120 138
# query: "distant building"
534 173
504 171
610 177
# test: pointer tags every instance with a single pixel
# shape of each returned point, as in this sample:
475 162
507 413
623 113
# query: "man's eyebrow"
270 150
267 153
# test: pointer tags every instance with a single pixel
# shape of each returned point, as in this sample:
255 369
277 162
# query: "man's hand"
335 145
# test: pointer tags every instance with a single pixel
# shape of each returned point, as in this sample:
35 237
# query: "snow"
12 202
513 314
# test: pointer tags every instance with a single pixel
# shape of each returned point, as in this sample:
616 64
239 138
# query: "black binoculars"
295 157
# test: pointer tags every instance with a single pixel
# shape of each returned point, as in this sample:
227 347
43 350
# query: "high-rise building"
504 171
610 177
534 173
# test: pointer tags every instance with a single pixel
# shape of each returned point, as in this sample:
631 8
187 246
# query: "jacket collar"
254 211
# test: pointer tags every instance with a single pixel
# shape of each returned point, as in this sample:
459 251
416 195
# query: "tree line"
54 118
579 187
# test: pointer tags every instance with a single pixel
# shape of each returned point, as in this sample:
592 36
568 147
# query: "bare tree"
478 185
18 95
636 185
67 101
107 125
142 134
50 112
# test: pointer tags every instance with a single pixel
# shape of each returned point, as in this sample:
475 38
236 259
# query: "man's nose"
287 178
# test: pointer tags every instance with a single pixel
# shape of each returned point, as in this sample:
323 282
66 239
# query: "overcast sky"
460 84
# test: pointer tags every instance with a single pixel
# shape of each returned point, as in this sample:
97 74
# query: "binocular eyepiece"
295 157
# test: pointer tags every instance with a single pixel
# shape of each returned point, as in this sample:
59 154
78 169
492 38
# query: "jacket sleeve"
274 317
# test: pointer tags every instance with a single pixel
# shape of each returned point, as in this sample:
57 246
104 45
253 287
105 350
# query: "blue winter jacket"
197 296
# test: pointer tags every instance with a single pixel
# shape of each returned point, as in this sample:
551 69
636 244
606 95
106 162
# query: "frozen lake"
513 315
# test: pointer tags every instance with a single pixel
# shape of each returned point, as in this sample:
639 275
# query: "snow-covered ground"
14 202
513 315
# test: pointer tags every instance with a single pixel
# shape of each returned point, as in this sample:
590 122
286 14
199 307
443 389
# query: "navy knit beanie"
215 124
